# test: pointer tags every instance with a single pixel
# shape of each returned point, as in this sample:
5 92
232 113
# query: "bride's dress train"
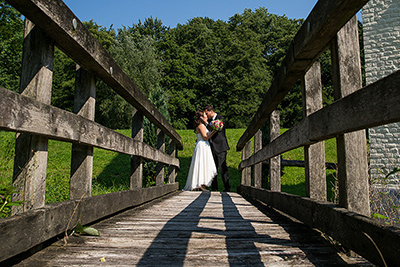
202 168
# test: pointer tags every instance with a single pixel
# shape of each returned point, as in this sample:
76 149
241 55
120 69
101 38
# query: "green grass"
111 170
293 178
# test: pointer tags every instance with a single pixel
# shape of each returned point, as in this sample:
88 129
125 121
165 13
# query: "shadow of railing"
171 245
316 248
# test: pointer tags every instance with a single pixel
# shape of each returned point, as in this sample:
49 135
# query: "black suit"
219 147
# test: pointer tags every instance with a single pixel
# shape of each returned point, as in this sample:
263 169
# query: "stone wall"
381 21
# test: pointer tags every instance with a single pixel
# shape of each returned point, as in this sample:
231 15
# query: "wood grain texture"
246 172
353 167
82 155
275 162
136 179
22 232
257 169
359 233
196 229
350 113
314 155
23 114
30 162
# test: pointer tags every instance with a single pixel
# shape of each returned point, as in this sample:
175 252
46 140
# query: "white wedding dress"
202 168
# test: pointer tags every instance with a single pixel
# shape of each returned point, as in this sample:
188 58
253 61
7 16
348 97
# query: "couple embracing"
209 152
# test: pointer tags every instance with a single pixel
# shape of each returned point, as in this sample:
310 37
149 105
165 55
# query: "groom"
219 147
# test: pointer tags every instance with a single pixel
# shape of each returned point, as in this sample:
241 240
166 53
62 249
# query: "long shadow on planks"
171 250
171 246
240 240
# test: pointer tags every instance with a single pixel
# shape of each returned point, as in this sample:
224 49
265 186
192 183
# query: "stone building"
381 24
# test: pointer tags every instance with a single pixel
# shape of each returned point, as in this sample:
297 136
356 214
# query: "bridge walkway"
196 229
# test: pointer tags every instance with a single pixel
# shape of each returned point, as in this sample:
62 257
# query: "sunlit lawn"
111 170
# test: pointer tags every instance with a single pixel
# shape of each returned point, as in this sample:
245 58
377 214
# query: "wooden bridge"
162 226
196 229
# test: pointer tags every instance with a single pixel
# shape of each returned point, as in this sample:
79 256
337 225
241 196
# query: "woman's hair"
197 119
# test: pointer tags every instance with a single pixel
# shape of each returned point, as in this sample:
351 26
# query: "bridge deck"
196 229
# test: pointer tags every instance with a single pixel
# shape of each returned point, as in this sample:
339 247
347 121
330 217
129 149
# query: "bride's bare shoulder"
200 127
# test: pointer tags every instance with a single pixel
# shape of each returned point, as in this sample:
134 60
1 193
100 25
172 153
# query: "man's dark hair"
209 108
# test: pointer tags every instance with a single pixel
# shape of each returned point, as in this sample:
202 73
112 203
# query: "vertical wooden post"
82 156
314 155
30 163
137 162
172 169
275 162
246 172
351 147
160 166
258 166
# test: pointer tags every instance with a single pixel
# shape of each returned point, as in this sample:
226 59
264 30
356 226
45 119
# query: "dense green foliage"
11 37
229 65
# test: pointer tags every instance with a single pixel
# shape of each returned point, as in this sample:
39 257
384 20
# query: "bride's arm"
203 132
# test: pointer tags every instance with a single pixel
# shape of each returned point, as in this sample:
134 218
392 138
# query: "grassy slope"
111 170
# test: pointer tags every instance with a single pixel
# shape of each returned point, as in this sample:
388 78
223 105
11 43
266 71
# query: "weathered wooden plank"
198 257
82 155
16 235
240 237
22 114
30 163
139 245
314 155
246 172
351 147
136 180
356 111
172 170
321 25
356 232
275 162
160 168
257 173
300 163
351 113
57 20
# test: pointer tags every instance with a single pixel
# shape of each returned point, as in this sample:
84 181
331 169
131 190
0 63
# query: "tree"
64 79
11 39
229 65
179 75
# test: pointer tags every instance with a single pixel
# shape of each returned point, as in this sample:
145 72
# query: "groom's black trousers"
220 162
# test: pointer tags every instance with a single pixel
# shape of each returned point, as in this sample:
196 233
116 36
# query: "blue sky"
172 12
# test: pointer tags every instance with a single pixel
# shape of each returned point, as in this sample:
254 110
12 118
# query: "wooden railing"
331 24
51 23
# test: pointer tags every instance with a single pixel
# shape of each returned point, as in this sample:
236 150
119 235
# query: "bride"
202 168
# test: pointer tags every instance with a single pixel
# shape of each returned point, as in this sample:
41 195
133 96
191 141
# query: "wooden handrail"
58 21
22 232
368 237
324 21
23 114
331 121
